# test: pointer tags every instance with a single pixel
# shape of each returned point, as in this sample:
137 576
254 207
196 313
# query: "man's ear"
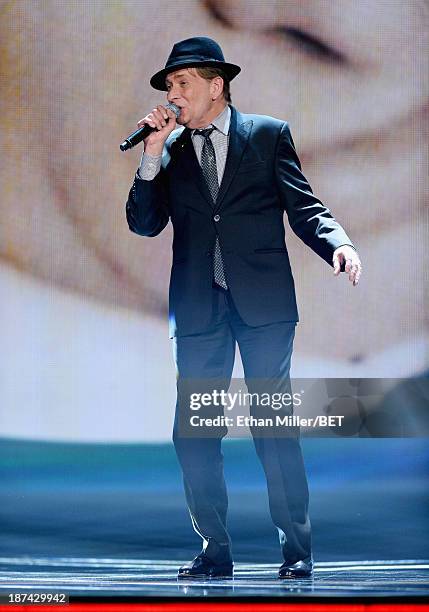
217 87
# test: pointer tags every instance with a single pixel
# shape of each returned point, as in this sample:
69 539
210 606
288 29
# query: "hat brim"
158 79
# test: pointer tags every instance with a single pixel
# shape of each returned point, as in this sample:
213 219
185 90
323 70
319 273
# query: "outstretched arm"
311 220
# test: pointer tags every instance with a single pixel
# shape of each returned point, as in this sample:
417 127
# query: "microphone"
144 131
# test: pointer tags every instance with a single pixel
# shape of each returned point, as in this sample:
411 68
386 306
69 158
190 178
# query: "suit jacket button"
216 218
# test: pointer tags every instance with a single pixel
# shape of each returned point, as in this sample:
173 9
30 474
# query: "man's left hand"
353 267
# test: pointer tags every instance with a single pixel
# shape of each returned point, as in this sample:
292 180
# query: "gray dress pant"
266 354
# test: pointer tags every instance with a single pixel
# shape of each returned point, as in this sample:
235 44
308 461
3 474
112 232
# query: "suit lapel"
190 162
239 133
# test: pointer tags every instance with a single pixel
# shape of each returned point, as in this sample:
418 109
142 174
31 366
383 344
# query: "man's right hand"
154 143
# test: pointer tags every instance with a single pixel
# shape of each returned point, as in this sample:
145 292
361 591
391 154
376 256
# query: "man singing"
225 179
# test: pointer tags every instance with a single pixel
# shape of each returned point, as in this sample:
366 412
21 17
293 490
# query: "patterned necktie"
209 168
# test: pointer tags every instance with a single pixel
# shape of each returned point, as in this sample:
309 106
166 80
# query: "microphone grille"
175 109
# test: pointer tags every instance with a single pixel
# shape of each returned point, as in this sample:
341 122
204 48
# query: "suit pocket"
273 250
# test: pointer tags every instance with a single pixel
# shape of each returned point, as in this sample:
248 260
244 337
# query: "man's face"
192 94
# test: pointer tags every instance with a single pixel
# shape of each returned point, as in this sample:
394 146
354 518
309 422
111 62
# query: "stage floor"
100 577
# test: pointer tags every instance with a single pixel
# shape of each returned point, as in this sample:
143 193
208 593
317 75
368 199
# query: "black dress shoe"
203 567
300 569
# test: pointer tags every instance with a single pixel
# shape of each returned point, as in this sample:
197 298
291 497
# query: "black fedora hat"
192 52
